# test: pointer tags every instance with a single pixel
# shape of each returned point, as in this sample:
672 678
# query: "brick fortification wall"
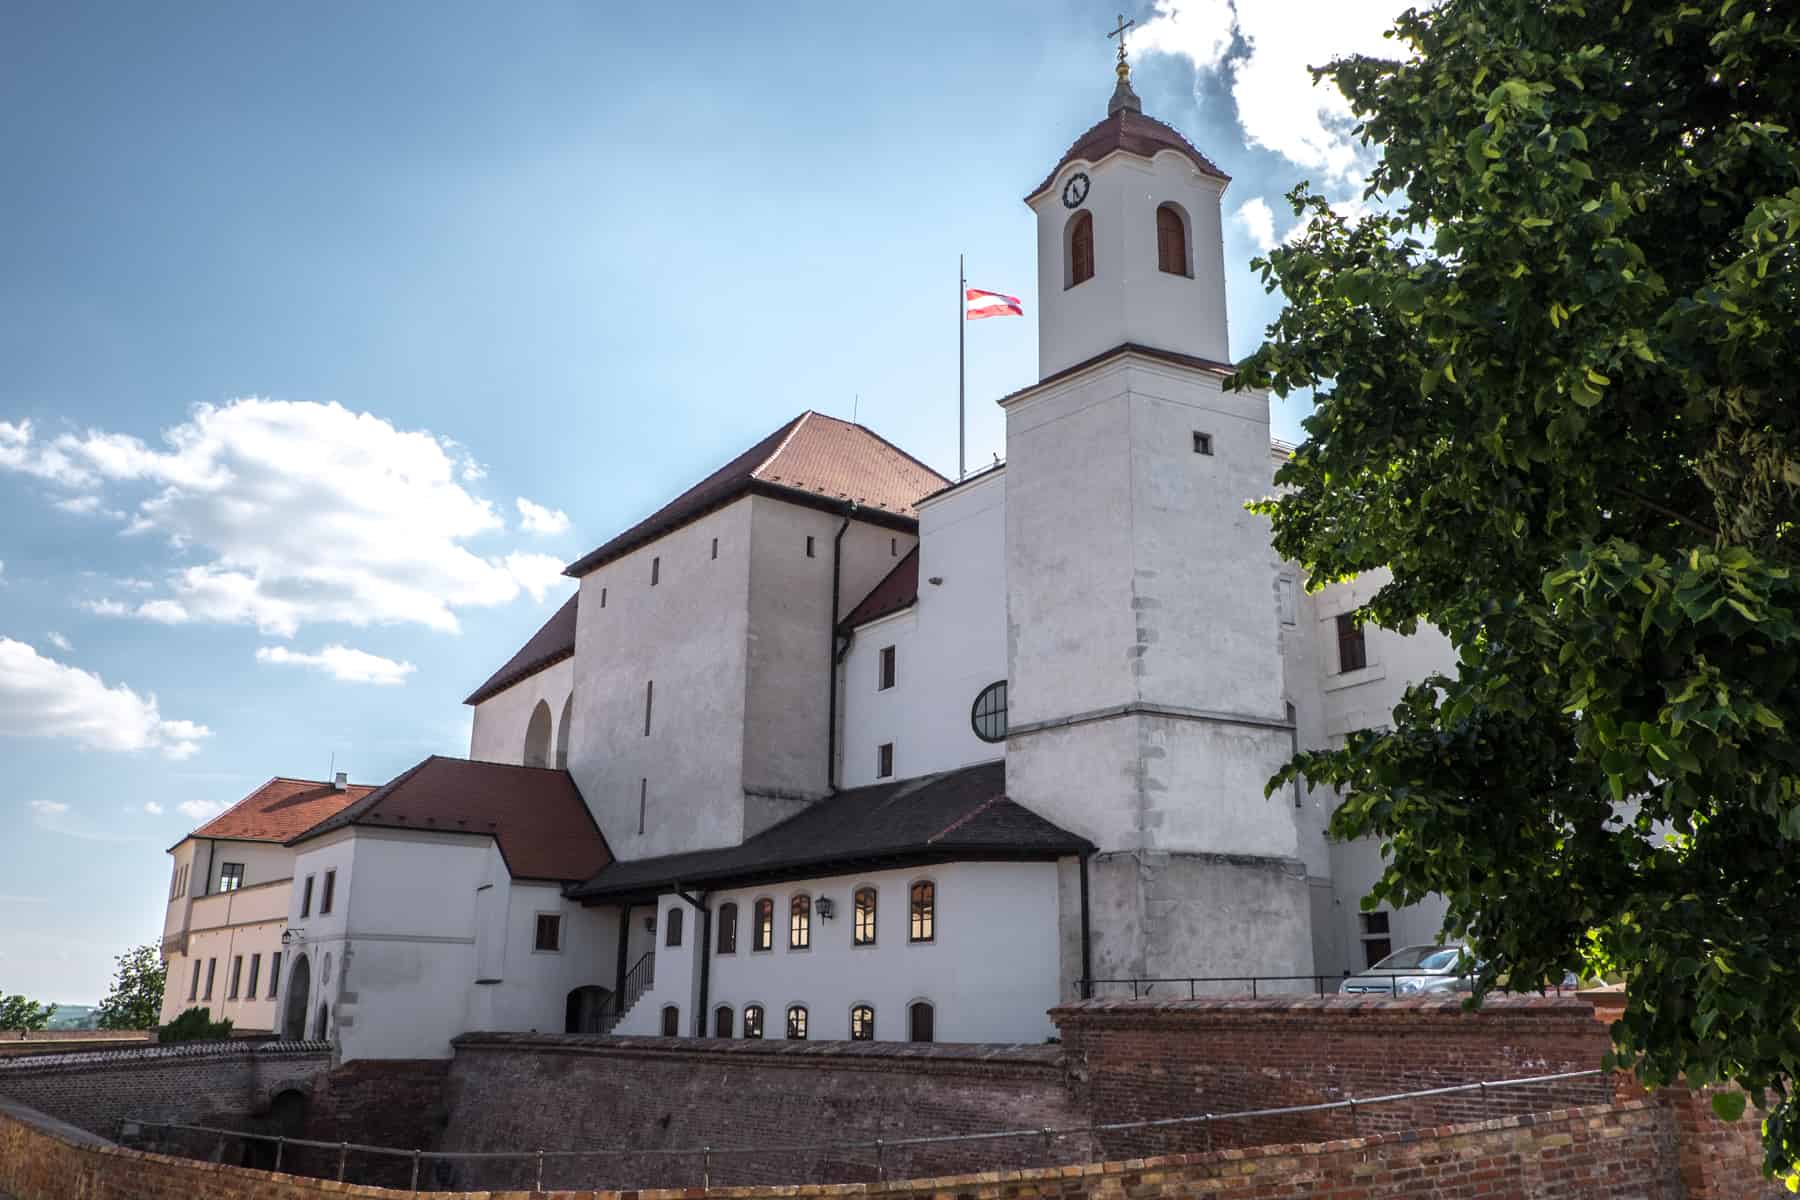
58 1041
521 1091
1131 1060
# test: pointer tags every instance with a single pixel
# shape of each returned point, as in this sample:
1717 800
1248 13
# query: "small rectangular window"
255 974
809 545
886 679
643 802
884 760
1286 599
1202 442
602 597
649 697
231 876
306 898
727 929
194 986
212 969
715 547
1353 651
655 571
274 973
237 976
893 547
330 890
1376 939
549 932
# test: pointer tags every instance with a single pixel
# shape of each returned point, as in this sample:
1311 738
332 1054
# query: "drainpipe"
624 965
1087 957
705 931
832 659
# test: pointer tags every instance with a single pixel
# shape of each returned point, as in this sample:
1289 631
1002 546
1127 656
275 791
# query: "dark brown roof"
812 459
955 816
279 809
1134 133
898 589
536 814
552 643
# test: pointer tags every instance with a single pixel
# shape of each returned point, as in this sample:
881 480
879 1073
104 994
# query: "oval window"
988 716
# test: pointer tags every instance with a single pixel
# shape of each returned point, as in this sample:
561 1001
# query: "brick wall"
198 1082
1134 1059
519 1091
58 1041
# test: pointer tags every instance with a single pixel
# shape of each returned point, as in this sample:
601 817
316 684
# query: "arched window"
862 1023
585 1009
920 1019
863 924
722 1022
728 928
1078 247
562 733
537 737
988 714
677 917
1171 241
671 1021
763 936
796 1030
924 912
753 1020
800 923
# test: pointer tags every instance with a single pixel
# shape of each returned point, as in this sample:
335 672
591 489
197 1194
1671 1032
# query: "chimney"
340 781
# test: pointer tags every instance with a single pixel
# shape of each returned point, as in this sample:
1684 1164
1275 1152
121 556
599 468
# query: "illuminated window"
763 936
231 876
924 912
753 1020
800 923
796 1023
862 1024
863 918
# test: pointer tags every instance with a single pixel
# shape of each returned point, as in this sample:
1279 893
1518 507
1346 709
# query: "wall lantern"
650 923
824 907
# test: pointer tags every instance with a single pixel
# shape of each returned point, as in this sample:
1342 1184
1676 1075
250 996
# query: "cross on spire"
1119 32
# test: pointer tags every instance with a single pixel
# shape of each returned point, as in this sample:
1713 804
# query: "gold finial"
1124 70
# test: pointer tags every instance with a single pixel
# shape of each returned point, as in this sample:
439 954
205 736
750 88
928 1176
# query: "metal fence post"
280 1145
1486 1108
1207 1125
1253 987
1049 1146
343 1157
540 1171
706 1167
415 1179
880 1164
1355 1125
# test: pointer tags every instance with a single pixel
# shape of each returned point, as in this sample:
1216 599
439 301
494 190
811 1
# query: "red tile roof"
898 589
279 809
812 459
552 643
536 814
1134 133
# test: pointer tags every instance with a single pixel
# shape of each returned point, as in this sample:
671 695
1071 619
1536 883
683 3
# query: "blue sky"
328 332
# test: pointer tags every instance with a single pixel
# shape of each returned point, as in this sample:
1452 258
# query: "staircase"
640 979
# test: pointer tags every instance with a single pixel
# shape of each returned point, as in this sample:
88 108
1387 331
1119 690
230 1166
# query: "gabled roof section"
279 809
1133 133
961 815
898 589
536 814
552 643
812 459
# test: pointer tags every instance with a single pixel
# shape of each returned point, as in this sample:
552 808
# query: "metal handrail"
640 979
879 1145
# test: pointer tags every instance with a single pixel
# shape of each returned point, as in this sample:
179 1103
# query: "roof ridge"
793 429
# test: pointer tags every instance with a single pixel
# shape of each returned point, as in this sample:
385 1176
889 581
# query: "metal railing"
640 979
705 1155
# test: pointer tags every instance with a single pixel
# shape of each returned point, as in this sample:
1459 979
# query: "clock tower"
1145 677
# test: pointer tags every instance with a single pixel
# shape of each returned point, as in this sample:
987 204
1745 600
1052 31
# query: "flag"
978 305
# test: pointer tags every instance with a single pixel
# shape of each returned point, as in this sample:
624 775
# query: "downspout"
835 656
624 950
705 932
1087 957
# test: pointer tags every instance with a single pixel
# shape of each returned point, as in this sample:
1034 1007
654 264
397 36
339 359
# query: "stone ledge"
878 1054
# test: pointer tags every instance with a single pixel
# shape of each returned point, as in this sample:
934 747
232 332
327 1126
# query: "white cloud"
1258 221
296 513
200 810
40 697
153 808
105 608
535 518
536 573
342 663
59 641
48 808
1266 50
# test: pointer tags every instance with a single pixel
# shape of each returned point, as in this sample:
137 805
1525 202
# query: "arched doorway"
293 1025
586 1009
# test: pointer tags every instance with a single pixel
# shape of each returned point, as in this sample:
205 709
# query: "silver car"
1414 971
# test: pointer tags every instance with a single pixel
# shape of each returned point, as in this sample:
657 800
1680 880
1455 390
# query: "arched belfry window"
1079 244
1171 241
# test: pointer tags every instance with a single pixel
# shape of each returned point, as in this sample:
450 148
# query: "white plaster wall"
1128 299
948 647
689 634
991 973
498 732
252 927
263 862
534 986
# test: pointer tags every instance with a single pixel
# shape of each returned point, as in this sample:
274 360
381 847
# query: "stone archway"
586 1009
293 1025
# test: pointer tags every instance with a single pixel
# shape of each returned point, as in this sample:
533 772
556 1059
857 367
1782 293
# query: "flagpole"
962 321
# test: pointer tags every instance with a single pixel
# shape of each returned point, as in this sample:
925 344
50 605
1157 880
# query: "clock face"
1076 190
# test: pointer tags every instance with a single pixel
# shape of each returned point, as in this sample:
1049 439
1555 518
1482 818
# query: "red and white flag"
979 305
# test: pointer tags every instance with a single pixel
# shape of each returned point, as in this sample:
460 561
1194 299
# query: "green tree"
135 1001
19 1014
1554 367
195 1025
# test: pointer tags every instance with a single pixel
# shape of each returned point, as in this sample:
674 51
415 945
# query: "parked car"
1414 971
